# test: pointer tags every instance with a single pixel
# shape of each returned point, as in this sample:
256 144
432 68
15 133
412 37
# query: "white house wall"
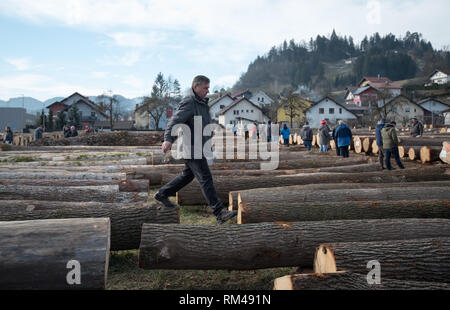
243 107
226 101
315 118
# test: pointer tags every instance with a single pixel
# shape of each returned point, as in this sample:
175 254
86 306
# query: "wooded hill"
293 64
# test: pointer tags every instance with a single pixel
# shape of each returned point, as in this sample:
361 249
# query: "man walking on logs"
390 145
195 104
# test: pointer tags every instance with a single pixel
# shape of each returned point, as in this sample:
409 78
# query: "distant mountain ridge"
33 105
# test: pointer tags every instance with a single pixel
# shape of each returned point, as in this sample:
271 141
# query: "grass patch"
82 157
124 273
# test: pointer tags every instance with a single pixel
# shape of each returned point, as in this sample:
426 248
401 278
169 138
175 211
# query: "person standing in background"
324 137
344 138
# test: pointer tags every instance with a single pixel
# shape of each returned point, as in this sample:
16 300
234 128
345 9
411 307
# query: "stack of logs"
64 204
312 200
69 204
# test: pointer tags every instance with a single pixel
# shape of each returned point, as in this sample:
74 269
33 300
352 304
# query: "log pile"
311 200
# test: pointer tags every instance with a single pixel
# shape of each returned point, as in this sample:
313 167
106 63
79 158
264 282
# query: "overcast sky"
56 47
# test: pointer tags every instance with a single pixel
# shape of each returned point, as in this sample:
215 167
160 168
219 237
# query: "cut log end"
283 284
324 261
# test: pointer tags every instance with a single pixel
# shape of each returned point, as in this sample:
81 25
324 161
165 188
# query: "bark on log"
35 254
159 178
343 195
107 194
62 175
84 163
424 141
349 210
429 154
126 219
303 163
349 281
192 195
411 260
267 245
445 153
124 185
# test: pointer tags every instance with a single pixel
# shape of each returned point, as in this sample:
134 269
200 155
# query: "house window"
285 108
242 111
93 114
321 111
331 111
252 111
407 110
262 99
340 110
394 110
247 111
415 110
222 106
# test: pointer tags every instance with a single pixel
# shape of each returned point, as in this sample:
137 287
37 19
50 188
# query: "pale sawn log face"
34 254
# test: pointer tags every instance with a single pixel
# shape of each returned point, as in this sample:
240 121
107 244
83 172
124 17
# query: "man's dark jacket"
190 107
378 134
9 136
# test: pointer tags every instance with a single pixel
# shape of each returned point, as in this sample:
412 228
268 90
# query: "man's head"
200 85
72 128
393 123
414 119
341 122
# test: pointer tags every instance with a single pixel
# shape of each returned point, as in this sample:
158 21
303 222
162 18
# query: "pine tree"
50 123
74 116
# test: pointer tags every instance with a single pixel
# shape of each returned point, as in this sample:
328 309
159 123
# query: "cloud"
129 59
227 80
21 64
135 39
223 22
99 75
39 86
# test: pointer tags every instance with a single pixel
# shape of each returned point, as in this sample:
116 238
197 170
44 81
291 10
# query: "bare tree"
111 105
163 93
293 106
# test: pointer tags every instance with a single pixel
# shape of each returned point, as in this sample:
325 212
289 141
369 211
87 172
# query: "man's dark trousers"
343 150
396 155
199 169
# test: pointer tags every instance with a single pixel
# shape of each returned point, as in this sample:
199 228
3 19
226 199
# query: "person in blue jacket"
286 132
380 125
344 138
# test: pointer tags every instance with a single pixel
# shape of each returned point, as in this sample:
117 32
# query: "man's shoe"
165 201
225 215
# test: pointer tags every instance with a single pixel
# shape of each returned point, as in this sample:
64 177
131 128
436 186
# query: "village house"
88 110
259 97
439 77
433 110
218 104
330 110
241 112
402 109
382 84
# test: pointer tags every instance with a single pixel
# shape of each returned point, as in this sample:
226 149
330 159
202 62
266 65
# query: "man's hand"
166 146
